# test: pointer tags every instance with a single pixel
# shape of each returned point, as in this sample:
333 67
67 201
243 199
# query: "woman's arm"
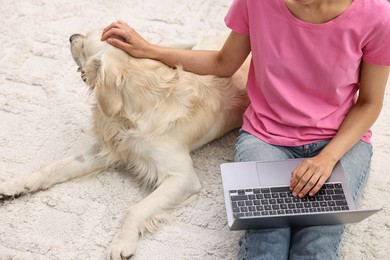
222 63
312 173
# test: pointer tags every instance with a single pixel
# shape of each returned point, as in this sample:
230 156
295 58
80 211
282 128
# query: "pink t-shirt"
304 77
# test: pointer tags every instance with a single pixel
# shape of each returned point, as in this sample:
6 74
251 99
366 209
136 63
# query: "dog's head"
100 72
85 47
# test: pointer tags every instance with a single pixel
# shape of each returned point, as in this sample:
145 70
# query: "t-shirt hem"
294 143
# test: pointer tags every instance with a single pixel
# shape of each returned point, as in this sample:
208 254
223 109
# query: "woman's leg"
268 243
323 242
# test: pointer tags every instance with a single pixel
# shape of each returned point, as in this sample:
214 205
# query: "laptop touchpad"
277 172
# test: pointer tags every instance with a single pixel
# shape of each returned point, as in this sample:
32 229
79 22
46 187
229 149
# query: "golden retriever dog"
146 120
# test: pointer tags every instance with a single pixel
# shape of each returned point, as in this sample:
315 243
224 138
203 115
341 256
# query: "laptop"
257 196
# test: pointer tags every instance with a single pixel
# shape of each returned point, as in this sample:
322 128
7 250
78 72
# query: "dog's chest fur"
114 135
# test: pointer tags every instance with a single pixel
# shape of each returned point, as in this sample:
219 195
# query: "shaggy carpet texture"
45 116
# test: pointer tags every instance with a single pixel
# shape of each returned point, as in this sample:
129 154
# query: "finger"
109 27
122 23
116 33
309 185
321 181
299 182
115 25
297 174
118 43
302 184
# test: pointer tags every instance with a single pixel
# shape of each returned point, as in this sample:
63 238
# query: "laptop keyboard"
280 201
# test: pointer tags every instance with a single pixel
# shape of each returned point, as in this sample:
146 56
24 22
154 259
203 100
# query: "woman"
316 84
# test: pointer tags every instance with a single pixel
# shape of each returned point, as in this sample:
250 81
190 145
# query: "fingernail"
294 194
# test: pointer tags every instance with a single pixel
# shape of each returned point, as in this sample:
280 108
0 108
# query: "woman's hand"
310 175
122 36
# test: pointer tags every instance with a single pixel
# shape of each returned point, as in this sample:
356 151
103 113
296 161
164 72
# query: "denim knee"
265 244
316 242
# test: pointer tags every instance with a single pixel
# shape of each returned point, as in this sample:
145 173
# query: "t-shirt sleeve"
237 17
377 50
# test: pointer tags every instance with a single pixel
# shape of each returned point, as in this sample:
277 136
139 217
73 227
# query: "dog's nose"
74 36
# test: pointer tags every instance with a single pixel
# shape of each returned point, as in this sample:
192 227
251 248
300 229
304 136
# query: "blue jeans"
313 242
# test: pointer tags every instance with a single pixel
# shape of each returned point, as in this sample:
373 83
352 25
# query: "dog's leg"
60 171
181 183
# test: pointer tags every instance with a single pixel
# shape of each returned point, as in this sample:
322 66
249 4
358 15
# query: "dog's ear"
91 71
107 84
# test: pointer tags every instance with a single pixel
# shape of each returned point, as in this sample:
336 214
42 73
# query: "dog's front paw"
122 250
11 189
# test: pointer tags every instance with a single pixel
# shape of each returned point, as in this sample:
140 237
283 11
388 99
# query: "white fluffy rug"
44 116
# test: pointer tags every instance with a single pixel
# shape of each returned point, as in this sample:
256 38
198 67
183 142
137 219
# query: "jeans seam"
244 243
337 249
236 147
362 180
